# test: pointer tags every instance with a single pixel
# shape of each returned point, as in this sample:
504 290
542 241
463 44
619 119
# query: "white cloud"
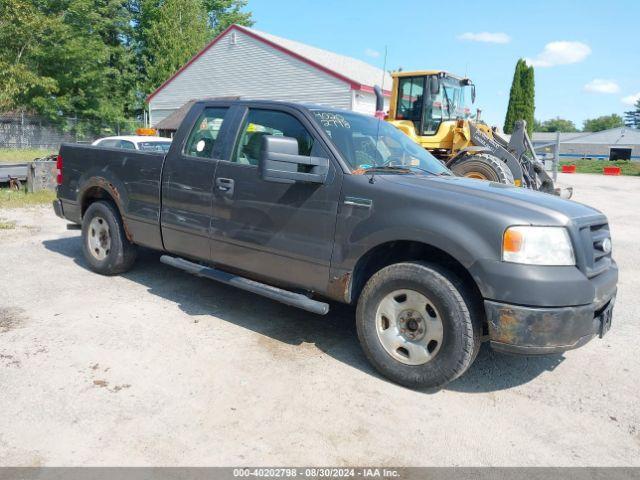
560 53
631 99
487 37
370 52
600 85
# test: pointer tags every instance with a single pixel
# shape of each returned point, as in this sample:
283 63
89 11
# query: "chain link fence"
23 131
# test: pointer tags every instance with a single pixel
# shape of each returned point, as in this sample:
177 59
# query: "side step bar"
274 293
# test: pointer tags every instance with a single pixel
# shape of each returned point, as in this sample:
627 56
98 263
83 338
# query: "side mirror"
280 162
434 85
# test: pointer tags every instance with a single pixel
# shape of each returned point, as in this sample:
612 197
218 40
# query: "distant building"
621 143
245 62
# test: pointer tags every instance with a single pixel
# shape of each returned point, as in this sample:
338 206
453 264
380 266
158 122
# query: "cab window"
260 123
109 143
205 132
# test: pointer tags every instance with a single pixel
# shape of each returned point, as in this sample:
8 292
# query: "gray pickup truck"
306 204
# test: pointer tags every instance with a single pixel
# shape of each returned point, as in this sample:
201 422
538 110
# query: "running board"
274 293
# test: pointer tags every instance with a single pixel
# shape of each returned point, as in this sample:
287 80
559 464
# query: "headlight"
537 246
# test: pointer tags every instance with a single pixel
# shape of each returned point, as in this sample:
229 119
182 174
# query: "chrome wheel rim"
409 327
99 238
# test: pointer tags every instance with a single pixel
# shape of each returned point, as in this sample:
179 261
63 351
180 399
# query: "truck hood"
498 197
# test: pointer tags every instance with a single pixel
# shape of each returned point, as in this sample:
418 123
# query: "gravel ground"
157 367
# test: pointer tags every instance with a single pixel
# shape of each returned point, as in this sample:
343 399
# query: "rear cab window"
204 133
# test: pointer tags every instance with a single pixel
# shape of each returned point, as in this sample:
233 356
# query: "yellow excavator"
433 108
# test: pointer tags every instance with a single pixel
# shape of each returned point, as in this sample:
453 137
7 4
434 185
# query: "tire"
483 167
104 243
447 297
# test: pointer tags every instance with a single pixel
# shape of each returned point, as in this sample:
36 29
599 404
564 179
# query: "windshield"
453 101
367 143
162 147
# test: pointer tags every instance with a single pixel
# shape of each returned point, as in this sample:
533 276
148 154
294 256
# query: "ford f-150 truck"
307 204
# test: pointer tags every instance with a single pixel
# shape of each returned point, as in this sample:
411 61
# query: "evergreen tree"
529 92
515 96
632 117
521 98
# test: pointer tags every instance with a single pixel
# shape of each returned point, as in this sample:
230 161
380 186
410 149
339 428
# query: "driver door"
279 232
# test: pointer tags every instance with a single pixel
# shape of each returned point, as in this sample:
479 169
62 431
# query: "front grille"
596 259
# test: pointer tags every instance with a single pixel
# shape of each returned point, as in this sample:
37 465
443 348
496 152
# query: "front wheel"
417 325
105 245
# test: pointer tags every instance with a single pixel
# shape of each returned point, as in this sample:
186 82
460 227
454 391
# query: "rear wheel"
417 324
105 245
483 167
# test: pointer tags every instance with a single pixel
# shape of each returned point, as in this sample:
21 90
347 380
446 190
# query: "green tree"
22 30
632 117
97 59
170 32
177 32
223 13
603 122
529 92
68 58
90 60
521 98
556 125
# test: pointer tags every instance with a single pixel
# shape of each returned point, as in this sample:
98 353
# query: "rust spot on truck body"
115 194
340 287
114 191
506 327
539 326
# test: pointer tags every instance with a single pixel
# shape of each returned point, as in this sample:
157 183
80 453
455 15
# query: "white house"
245 62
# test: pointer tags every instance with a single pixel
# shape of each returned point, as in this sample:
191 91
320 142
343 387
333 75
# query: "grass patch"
595 166
5 225
11 155
20 198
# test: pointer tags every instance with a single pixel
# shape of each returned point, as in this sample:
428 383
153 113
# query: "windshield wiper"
406 169
388 168
438 174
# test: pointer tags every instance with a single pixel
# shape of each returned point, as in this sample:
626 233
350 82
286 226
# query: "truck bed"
131 177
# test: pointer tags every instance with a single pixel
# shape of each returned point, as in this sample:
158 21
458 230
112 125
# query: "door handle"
225 185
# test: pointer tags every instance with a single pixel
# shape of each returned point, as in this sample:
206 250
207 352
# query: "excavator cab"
430 100
427 104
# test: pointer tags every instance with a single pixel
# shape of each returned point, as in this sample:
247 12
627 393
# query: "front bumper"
539 331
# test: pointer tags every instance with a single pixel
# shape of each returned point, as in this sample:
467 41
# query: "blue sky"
586 53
